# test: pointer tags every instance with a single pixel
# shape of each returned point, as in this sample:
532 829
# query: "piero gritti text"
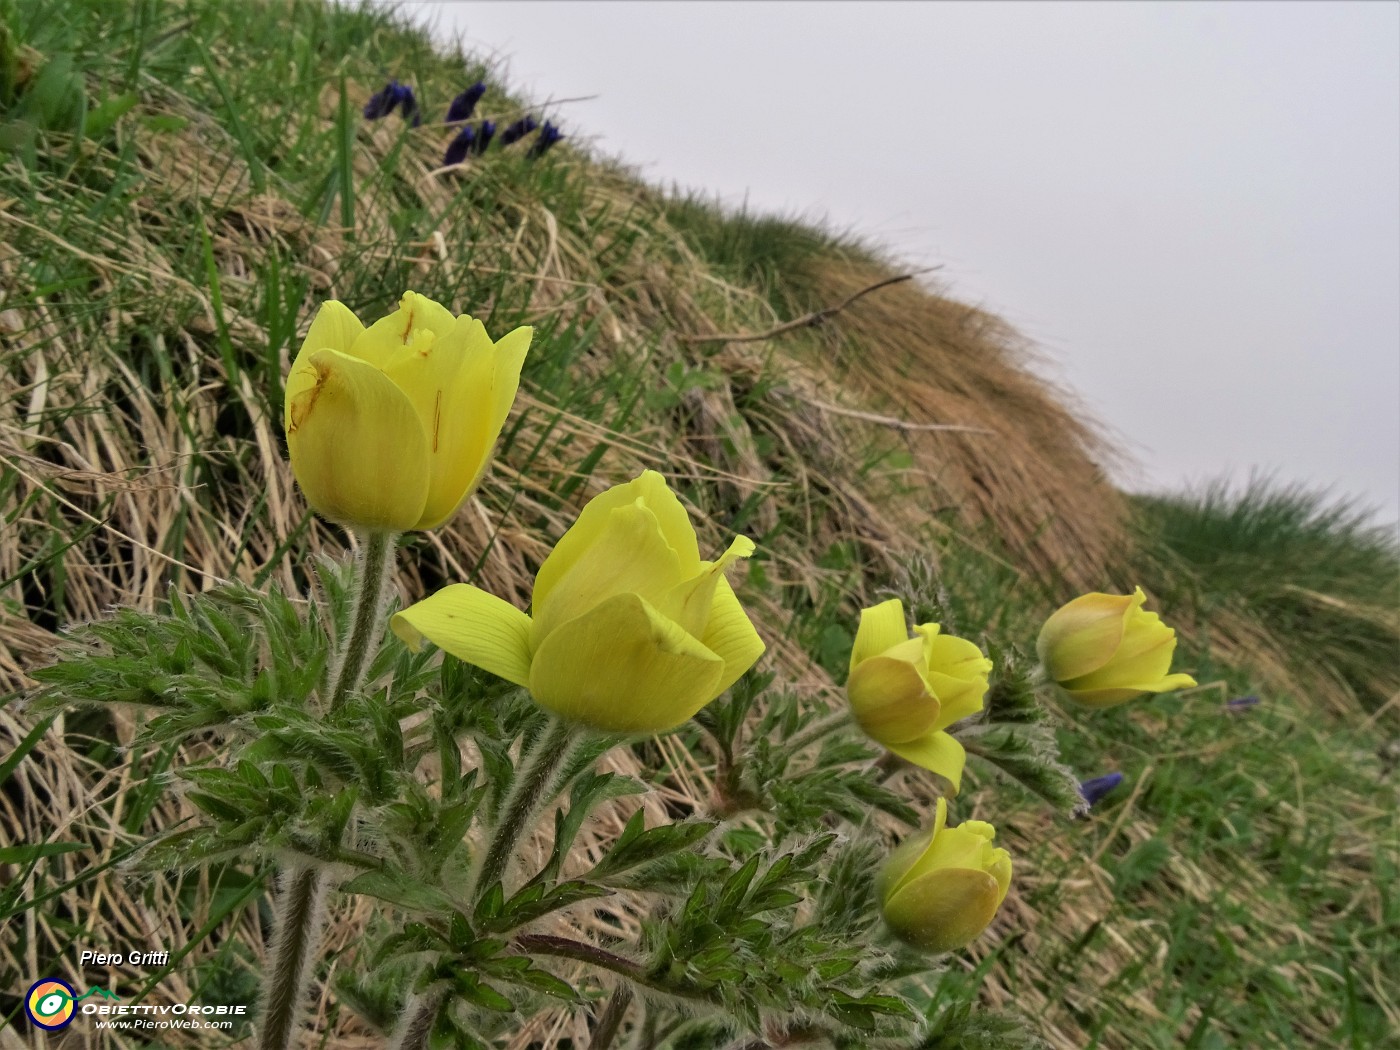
89 958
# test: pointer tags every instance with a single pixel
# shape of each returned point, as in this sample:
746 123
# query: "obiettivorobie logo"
51 1004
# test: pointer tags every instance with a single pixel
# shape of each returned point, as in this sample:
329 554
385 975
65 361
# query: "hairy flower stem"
419 1016
610 1020
534 785
300 915
294 943
581 951
373 571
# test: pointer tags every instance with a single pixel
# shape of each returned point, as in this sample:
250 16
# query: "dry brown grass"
1036 471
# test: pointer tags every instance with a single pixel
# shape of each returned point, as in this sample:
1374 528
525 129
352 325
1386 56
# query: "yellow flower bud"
905 691
631 631
1105 649
391 427
939 891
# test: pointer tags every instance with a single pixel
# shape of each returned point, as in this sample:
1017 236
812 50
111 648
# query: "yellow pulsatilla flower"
939 891
631 631
1105 649
905 691
391 427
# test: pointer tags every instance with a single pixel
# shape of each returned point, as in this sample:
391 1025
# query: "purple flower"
383 101
484 134
549 135
1095 789
391 96
464 104
410 107
518 130
1241 703
460 146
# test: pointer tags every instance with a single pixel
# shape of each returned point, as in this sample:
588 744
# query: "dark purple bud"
1241 703
549 135
484 135
408 104
383 101
460 146
464 104
518 130
1095 789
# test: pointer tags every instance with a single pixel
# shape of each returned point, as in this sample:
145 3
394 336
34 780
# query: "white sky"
1193 208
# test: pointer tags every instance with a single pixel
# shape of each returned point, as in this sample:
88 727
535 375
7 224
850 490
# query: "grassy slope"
1236 890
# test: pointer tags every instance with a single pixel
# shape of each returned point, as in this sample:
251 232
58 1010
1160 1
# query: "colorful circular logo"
49 1004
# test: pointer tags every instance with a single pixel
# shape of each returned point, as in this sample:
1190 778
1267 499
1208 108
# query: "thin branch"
502 116
891 421
809 320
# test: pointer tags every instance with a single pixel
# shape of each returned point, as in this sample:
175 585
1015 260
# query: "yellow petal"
1143 631
952 656
473 626
1145 666
961 847
1103 698
690 602
1083 635
650 487
382 341
472 410
508 358
627 554
940 817
1113 696
881 627
937 752
730 635
333 328
897 865
986 832
944 910
997 864
357 448
890 700
892 873
957 698
448 379
623 668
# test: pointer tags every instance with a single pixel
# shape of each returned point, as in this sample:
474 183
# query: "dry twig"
808 320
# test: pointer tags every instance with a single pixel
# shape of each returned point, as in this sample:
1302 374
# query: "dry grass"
1034 472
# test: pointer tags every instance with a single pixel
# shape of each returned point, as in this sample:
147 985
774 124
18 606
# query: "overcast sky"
1192 208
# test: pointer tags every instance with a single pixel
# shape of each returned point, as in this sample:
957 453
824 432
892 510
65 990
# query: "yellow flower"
939 891
631 632
1105 649
905 692
391 427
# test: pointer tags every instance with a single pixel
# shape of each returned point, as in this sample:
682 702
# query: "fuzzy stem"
419 1016
610 1020
528 793
373 571
294 944
581 951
